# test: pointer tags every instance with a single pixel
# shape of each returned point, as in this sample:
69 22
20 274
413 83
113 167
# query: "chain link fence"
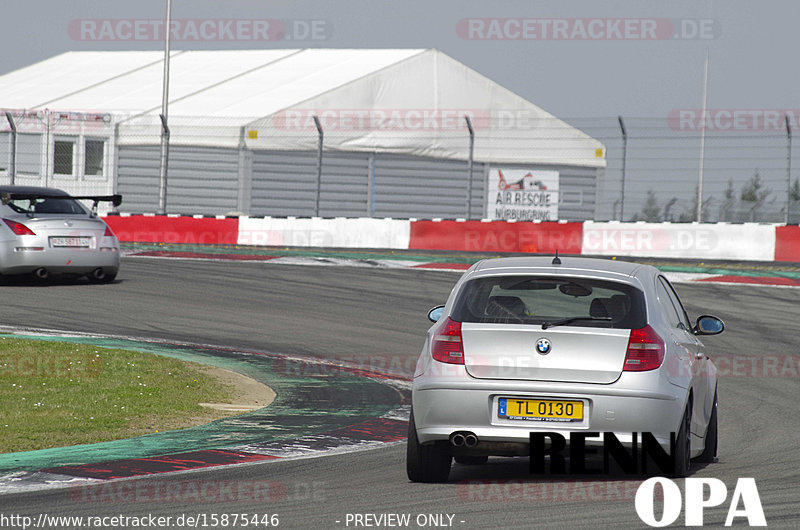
742 163
410 164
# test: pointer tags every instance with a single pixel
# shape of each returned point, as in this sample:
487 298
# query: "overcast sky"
573 68
576 59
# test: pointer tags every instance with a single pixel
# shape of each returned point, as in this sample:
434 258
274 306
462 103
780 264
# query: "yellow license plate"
540 410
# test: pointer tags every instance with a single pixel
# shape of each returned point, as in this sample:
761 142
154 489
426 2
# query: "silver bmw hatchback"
560 345
45 231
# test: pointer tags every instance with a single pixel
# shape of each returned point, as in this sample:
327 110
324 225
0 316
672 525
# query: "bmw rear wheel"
683 444
712 437
425 463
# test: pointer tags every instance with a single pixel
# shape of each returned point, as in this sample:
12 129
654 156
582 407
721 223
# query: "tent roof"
229 83
273 94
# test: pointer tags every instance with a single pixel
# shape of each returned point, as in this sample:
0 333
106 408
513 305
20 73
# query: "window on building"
29 154
94 157
5 151
64 157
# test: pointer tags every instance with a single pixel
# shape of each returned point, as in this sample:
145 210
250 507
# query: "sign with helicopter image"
522 195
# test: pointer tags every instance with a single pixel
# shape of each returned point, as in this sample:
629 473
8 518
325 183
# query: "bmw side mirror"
436 313
708 325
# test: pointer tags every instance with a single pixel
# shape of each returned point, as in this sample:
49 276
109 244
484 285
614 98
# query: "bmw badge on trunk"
543 346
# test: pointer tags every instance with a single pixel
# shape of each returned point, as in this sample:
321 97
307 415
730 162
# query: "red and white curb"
752 242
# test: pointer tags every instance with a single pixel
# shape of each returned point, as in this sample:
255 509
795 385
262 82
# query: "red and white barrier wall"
719 241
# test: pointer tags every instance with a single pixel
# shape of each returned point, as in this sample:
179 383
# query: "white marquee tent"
337 132
399 101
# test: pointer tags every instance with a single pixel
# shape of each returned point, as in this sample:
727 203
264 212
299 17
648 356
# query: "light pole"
702 142
162 181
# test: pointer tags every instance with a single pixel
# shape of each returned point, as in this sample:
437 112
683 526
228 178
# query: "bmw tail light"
645 350
447 345
19 228
108 233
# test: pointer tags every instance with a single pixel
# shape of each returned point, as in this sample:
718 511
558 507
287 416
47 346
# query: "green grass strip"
60 393
310 399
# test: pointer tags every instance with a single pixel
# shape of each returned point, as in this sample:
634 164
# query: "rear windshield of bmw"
550 301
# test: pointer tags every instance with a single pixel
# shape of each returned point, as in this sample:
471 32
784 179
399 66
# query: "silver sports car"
46 231
562 346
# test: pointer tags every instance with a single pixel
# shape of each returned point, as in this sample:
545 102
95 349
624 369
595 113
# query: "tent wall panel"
284 183
201 180
211 181
425 187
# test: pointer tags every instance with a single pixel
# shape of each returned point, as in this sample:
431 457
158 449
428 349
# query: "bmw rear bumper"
641 402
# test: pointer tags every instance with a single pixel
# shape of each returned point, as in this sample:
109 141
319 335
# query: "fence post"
12 168
788 168
48 162
115 165
624 168
162 183
371 185
244 175
319 163
471 154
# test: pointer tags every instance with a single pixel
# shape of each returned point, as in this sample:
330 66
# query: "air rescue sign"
522 195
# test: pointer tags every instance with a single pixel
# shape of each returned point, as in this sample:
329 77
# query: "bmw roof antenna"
556 260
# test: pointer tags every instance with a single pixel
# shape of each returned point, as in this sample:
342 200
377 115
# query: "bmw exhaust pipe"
463 439
98 274
41 273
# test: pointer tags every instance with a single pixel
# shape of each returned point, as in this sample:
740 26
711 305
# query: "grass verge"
55 394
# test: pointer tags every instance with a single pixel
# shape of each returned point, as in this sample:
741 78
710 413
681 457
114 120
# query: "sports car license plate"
540 410
75 242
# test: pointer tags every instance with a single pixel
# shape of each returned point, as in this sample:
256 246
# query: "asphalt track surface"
378 317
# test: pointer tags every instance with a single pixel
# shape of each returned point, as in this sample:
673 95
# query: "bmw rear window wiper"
569 320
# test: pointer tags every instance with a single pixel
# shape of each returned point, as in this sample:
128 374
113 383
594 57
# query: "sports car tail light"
18 228
645 350
108 233
447 345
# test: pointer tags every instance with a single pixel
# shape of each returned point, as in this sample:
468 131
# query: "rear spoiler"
7 197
